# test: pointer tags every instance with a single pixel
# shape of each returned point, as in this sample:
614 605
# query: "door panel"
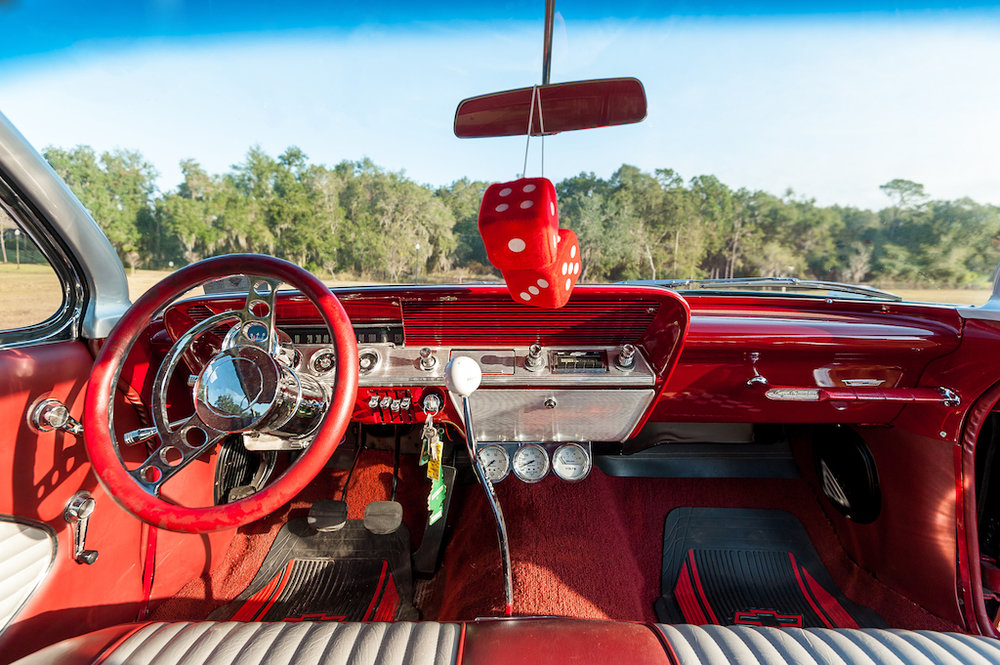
39 472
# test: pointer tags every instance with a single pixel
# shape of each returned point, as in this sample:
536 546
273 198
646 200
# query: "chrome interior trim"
100 268
578 415
399 367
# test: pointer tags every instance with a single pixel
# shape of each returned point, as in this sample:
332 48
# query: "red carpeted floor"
590 550
371 481
594 549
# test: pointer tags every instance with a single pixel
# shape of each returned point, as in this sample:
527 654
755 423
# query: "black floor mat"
753 567
346 575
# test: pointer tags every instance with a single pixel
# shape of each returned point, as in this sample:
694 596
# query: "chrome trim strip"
98 263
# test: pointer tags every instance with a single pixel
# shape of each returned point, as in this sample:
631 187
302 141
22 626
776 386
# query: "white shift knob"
463 376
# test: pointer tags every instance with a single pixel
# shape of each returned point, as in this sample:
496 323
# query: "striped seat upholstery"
751 645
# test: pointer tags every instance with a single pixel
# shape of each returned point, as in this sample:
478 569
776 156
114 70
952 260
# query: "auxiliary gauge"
368 360
495 462
530 463
571 462
324 361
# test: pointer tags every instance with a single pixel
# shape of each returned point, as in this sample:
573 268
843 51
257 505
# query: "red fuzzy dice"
549 286
519 224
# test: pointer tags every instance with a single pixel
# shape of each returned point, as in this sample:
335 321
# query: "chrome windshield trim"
719 285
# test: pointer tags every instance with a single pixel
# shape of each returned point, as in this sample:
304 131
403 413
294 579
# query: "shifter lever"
463 376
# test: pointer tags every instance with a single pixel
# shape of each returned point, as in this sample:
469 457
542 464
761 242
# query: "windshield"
818 145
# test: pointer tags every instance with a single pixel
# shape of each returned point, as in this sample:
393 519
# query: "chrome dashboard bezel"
399 367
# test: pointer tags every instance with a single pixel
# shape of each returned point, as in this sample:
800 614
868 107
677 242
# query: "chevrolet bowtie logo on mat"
768 618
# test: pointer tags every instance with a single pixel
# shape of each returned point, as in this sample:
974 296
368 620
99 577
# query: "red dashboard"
698 354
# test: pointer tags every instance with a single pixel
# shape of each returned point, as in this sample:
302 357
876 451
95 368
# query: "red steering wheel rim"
97 433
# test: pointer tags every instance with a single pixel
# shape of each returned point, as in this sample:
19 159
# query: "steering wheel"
242 388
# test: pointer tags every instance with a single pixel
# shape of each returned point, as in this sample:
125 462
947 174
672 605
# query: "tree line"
358 219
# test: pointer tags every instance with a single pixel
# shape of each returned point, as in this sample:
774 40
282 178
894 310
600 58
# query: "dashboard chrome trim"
400 367
520 414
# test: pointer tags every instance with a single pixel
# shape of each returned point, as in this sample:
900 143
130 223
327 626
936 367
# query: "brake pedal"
327 515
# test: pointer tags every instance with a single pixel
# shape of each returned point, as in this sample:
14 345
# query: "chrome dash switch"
77 513
626 357
427 359
534 361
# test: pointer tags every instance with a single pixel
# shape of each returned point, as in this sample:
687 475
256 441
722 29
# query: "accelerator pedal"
383 517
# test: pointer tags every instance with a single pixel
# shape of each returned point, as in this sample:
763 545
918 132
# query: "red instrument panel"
703 350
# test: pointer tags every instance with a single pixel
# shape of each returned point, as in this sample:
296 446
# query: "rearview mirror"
557 107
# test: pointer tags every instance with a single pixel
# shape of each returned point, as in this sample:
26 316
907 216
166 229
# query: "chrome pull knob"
427 359
626 357
77 513
373 402
51 414
757 380
534 361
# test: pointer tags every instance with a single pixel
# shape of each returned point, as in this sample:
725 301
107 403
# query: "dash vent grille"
501 323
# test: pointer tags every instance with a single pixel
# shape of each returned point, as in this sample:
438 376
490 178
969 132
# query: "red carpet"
594 549
589 550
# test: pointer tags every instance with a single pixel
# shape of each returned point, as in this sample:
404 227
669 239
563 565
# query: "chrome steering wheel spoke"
256 325
178 448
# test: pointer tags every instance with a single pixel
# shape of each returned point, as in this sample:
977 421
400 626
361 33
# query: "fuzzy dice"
519 224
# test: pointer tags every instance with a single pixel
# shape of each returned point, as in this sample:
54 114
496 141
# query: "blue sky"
830 103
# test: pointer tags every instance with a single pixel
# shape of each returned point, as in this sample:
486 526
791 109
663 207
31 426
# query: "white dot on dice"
516 245
502 207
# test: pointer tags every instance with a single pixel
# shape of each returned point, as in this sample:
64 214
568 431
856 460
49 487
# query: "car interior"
247 466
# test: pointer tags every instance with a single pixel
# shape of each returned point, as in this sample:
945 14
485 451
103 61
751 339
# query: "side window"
30 290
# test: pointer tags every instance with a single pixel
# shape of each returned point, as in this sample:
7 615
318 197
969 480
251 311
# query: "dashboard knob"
534 361
427 359
626 357
463 375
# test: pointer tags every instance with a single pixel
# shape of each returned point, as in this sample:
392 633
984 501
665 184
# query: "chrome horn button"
237 389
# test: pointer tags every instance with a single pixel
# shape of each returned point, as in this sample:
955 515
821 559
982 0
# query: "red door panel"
39 472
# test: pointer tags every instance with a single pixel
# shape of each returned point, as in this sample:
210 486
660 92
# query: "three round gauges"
530 462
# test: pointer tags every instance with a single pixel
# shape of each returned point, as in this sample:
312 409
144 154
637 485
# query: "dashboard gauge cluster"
532 462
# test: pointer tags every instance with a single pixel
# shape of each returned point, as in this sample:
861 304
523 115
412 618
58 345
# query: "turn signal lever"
462 376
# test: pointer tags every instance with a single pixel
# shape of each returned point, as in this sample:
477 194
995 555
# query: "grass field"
31 293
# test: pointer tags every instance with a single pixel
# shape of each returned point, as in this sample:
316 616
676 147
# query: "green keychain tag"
435 500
